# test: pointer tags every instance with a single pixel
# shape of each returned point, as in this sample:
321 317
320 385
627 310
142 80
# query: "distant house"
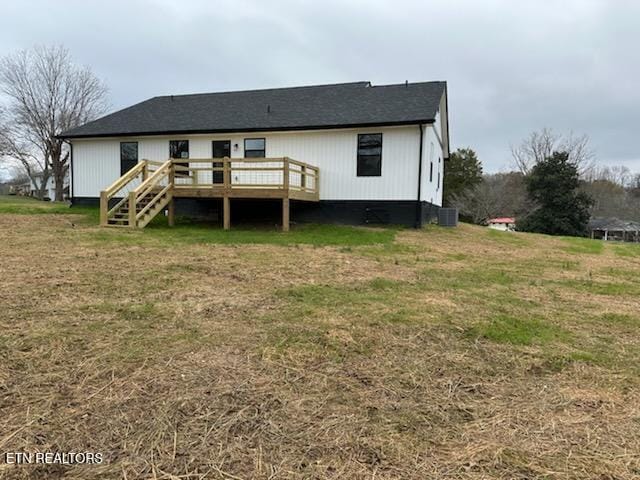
22 188
345 153
506 224
614 229
50 188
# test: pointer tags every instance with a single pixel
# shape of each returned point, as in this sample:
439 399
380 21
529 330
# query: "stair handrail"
147 187
126 178
108 193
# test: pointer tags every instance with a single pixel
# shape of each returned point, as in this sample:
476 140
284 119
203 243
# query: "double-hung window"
369 155
180 149
254 147
128 156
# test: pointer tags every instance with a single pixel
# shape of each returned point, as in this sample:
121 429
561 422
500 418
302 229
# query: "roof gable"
322 106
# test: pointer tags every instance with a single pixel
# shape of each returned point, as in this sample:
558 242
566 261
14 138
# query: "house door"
221 148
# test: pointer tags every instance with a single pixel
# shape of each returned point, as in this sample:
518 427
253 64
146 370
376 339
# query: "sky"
512 67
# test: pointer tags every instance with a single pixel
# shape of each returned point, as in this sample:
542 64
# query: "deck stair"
150 187
138 196
120 218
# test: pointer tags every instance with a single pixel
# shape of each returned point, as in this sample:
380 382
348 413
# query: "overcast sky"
511 66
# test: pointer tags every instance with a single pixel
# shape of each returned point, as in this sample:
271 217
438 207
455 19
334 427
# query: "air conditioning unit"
448 217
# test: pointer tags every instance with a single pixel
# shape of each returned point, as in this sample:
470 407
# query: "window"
128 156
254 147
432 150
180 149
219 149
369 155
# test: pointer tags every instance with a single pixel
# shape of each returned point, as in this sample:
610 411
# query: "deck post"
285 175
171 211
104 208
194 175
132 209
285 200
145 170
285 214
226 185
303 178
226 175
226 218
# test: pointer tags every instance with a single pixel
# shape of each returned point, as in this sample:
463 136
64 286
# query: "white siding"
50 188
335 152
96 165
499 226
432 153
96 162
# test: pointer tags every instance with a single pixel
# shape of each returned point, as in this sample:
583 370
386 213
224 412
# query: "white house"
506 224
377 153
50 187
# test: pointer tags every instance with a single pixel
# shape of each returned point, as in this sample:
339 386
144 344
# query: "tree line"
554 187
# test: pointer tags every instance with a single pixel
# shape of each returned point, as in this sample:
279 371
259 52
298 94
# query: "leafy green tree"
463 172
560 207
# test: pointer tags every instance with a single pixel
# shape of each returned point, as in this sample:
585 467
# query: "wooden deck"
151 187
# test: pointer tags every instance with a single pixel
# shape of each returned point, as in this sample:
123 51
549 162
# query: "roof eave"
245 130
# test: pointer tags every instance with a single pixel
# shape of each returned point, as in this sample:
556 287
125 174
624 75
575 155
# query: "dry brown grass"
449 354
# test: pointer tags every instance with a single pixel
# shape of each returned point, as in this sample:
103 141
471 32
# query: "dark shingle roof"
322 106
614 224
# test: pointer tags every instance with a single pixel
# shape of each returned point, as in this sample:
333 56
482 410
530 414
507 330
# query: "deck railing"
231 174
150 187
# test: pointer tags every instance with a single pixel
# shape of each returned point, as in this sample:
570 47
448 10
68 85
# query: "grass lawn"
30 206
327 352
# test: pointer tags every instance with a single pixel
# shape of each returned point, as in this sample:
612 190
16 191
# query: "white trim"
435 131
224 136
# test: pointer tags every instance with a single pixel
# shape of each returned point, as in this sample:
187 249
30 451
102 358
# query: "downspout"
418 202
72 190
446 106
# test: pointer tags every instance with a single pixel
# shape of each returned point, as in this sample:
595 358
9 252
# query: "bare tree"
615 191
622 175
18 152
541 144
498 195
47 95
635 185
3 127
618 174
477 204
